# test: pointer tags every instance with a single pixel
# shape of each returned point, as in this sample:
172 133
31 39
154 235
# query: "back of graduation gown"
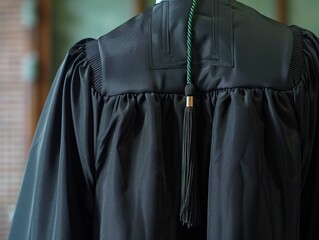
105 162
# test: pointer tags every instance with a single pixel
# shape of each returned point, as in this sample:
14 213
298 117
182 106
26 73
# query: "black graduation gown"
105 161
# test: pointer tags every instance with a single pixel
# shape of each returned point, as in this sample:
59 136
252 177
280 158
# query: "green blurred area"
75 20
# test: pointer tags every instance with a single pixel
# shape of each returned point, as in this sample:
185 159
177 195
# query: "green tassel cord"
190 202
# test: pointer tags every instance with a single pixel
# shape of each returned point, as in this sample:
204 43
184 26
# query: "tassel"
190 203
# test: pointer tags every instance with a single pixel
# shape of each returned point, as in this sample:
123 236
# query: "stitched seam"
202 93
297 64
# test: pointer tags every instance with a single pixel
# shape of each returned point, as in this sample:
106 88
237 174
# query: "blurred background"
34 37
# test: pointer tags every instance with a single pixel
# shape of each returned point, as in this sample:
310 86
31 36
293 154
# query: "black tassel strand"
190 202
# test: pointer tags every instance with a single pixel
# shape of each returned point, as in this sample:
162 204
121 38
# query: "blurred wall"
266 7
75 20
16 60
305 14
302 13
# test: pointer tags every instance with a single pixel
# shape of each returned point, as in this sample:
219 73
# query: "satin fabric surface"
105 161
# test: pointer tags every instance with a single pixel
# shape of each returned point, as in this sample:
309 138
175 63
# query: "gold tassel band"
189 101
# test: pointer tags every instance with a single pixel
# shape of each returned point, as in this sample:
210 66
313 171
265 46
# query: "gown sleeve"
309 117
57 194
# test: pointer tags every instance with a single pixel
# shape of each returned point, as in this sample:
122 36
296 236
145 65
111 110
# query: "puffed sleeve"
57 194
309 122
